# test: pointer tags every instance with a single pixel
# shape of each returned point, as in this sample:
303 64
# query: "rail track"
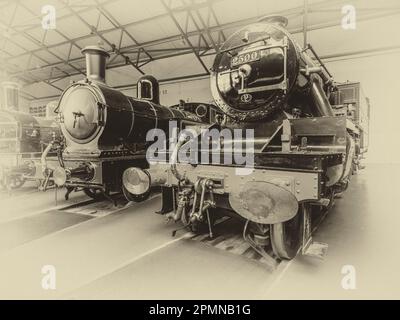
94 241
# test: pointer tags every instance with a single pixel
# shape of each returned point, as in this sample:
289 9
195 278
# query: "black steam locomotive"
23 140
303 152
105 130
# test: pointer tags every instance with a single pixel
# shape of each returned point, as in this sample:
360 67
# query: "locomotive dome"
255 68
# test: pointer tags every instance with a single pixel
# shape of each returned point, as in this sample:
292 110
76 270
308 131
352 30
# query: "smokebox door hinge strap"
100 120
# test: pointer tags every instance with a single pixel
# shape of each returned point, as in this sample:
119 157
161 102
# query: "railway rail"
99 225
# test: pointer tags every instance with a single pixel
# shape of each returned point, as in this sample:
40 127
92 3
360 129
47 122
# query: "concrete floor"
363 230
27 201
131 255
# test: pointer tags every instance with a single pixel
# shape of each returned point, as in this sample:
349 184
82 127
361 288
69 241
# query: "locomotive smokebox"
96 58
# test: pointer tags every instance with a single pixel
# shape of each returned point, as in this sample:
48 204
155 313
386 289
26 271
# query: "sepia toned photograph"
199 150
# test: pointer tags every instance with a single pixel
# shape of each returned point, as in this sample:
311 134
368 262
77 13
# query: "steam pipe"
313 67
174 158
176 216
320 61
43 157
322 106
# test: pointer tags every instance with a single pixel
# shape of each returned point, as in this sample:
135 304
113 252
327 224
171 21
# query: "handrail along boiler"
105 130
303 154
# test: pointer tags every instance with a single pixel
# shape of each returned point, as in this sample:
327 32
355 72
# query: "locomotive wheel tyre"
93 193
287 237
133 198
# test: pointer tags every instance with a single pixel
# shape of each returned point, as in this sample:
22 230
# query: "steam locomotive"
23 140
105 130
303 152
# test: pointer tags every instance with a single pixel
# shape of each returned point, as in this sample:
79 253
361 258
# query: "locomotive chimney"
10 95
96 58
275 19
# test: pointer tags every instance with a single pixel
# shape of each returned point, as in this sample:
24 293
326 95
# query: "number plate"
245 58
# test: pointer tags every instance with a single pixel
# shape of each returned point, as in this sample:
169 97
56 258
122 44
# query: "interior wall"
190 91
380 83
38 103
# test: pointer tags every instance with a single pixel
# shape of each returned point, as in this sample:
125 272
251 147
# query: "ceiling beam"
37 42
184 35
117 25
95 31
225 26
136 48
72 42
341 55
217 28
206 28
102 32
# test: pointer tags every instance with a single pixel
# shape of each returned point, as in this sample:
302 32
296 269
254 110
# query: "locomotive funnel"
96 58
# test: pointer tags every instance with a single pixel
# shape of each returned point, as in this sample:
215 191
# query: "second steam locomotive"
23 140
105 130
